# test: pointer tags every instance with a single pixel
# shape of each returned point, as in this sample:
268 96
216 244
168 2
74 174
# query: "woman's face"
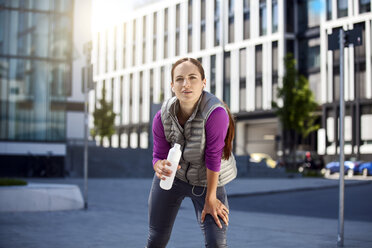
187 83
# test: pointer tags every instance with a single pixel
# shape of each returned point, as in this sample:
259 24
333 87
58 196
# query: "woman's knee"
157 239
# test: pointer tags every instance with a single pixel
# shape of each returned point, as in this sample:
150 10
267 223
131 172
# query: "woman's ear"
172 85
204 83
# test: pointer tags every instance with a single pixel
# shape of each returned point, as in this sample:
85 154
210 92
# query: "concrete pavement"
117 217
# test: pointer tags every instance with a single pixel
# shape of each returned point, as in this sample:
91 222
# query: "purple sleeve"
161 146
216 130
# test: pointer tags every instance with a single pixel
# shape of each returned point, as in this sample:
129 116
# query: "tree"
297 111
104 117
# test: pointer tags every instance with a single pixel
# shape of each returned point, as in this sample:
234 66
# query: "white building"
241 45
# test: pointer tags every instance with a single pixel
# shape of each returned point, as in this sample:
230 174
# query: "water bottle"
174 156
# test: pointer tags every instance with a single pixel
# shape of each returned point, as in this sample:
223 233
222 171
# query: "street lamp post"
87 86
338 40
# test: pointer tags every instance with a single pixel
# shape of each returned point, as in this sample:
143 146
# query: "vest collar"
176 107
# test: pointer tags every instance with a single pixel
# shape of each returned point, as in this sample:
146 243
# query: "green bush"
12 182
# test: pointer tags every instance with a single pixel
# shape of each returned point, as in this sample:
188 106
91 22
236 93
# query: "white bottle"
174 157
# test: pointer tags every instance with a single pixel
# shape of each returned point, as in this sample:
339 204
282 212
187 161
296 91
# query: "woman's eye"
179 79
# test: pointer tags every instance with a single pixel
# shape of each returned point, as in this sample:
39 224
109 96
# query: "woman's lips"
187 92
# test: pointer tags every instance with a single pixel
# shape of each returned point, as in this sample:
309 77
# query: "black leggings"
163 209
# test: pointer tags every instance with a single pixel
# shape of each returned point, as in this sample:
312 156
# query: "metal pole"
340 238
86 139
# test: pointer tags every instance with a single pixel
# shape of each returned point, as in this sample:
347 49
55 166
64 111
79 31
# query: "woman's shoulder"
218 114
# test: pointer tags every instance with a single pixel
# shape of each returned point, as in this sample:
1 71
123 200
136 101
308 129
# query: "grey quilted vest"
192 140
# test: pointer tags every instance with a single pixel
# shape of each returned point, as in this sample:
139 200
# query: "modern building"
241 45
41 105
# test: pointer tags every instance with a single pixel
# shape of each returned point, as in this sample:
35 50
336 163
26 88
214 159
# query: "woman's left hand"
216 208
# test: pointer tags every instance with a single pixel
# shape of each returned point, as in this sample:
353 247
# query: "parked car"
262 158
366 169
351 167
303 160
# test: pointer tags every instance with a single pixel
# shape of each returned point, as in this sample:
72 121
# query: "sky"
108 12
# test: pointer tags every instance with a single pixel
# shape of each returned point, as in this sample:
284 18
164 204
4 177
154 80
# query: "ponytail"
229 136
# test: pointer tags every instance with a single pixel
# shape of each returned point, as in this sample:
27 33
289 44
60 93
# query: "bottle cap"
176 145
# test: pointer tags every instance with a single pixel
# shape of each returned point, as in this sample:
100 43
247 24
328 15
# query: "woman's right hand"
161 169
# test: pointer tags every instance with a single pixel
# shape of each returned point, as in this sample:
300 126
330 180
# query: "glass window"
189 30
151 86
144 40
290 16
202 23
217 22
154 38
166 33
177 29
258 82
329 9
140 96
162 83
275 63
274 16
130 90
106 51
342 8
134 44
231 29
360 65
115 44
263 17
213 74
364 6
189 41
124 44
246 23
189 13
33 106
314 10
242 79
98 52
227 79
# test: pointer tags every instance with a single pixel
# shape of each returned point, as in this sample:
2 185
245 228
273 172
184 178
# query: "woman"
204 128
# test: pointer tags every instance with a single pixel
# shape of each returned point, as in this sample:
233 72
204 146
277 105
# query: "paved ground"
117 217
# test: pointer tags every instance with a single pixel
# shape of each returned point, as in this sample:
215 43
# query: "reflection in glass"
274 16
231 21
342 8
246 23
226 86
258 86
217 22
263 17
242 78
364 6
213 74
35 76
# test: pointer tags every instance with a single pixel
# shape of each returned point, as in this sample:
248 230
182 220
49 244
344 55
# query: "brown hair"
231 131
194 61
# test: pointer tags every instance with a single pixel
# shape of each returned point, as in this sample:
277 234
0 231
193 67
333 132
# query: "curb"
271 192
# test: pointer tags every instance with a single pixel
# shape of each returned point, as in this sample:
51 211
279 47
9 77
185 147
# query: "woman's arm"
160 144
160 149
216 129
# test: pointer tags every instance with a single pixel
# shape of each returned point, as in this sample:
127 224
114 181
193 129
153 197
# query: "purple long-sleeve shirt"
215 130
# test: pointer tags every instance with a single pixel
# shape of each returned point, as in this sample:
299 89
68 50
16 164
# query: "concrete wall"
137 163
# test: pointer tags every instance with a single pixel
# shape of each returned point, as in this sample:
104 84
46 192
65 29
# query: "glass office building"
35 69
40 110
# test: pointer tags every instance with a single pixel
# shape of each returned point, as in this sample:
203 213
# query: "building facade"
41 103
241 45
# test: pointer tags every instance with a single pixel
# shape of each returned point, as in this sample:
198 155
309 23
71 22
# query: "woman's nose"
186 82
